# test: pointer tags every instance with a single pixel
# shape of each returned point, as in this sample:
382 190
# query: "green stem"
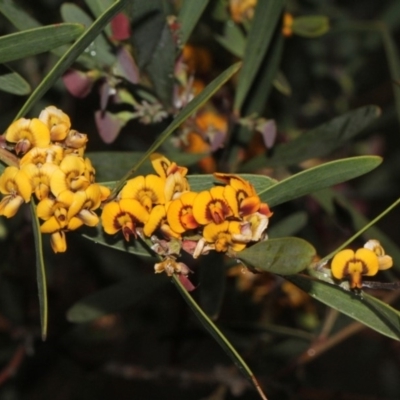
218 335
361 231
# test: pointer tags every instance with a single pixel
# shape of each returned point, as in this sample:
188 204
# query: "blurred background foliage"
152 347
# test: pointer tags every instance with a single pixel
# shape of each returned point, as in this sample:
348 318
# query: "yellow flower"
40 178
76 140
245 193
15 184
147 190
58 242
156 217
84 203
180 213
125 215
215 205
173 174
242 10
40 155
69 177
221 236
57 121
352 265
287 24
28 133
55 215
385 261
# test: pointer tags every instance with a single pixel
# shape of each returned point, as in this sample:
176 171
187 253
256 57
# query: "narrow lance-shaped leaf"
319 141
283 256
266 17
320 177
218 336
196 103
14 83
362 307
38 40
40 272
71 55
189 14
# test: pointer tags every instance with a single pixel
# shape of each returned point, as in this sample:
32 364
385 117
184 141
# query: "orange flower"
147 190
126 215
221 236
215 205
352 265
180 213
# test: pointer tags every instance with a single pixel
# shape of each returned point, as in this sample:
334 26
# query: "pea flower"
147 190
385 261
126 215
180 213
28 133
353 265
215 205
15 184
57 121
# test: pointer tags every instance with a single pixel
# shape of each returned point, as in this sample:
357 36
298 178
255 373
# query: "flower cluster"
51 165
224 218
368 261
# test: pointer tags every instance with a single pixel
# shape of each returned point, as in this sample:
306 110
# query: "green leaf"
35 41
320 177
189 15
233 39
17 16
40 272
310 26
218 336
363 308
99 48
14 83
289 225
266 16
284 256
97 7
186 112
115 298
111 165
71 55
155 45
117 242
319 141
205 182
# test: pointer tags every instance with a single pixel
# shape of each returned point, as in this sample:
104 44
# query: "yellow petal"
340 261
212 230
156 184
75 139
156 216
229 194
58 182
57 121
370 261
45 208
200 207
51 225
88 217
24 186
9 205
135 209
110 212
132 188
160 164
58 242
75 223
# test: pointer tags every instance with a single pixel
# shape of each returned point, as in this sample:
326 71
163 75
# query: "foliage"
239 157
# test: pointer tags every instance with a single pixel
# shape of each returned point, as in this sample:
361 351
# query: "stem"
361 231
218 335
